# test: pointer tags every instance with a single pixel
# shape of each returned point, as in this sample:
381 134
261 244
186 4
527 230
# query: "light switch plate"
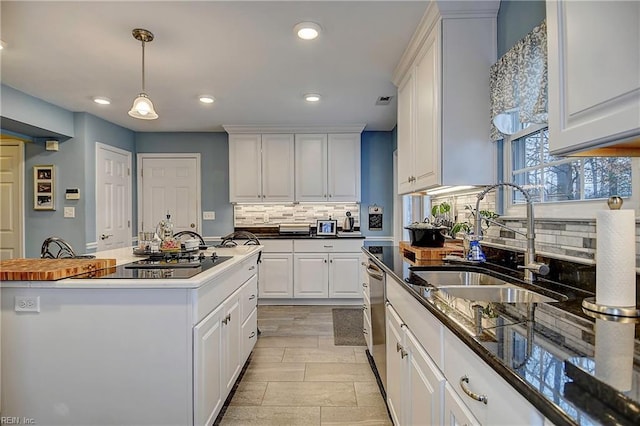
69 212
209 215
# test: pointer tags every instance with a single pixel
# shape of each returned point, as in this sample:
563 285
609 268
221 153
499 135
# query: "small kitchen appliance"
348 224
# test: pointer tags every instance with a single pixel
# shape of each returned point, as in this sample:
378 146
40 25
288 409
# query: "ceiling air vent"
383 100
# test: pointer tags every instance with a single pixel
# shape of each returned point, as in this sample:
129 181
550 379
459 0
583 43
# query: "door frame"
128 154
195 155
9 140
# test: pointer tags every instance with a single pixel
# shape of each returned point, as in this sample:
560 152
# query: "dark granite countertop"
548 354
272 233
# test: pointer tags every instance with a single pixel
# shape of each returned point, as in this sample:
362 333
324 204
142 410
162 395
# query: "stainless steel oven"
378 323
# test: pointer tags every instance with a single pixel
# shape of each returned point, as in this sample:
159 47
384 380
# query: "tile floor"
297 376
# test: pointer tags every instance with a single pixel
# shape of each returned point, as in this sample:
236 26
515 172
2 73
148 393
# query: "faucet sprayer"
531 267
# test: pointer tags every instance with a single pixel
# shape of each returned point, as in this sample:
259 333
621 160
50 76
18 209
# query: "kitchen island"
141 351
522 364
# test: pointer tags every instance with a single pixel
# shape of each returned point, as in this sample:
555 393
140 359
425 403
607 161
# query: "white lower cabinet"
320 275
415 385
422 391
505 406
276 275
222 342
456 412
207 354
310 275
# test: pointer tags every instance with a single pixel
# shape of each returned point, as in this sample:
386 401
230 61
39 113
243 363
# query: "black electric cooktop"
158 268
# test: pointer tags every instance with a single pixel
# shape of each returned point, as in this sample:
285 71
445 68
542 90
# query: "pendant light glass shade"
143 108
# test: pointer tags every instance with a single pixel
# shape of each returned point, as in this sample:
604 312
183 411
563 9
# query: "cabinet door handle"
252 267
364 285
252 335
224 321
325 261
253 296
331 261
327 246
464 380
398 347
364 307
364 331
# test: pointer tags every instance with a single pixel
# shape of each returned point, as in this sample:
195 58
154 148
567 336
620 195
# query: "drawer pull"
328 246
252 335
253 296
464 380
364 331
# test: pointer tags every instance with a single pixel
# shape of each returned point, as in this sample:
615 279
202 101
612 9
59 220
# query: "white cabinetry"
327 167
443 94
414 383
594 69
426 364
261 168
366 302
207 351
327 268
223 339
276 269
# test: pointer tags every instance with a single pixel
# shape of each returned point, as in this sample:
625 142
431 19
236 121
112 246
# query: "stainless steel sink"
458 278
495 293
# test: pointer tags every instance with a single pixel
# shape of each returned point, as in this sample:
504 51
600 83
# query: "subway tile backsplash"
275 214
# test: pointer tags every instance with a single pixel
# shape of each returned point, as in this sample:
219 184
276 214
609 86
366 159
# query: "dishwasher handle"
374 272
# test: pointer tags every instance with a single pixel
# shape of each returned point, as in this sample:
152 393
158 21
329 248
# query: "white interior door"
11 205
169 183
113 197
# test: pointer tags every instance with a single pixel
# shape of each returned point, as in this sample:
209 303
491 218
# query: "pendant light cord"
143 88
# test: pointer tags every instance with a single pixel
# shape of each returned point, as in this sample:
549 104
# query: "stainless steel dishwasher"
378 323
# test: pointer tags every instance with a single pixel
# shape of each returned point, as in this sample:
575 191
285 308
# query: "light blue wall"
35 115
516 19
94 130
377 180
214 163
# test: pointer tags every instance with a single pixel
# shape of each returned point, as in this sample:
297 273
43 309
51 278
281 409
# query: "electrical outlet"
69 212
209 215
27 304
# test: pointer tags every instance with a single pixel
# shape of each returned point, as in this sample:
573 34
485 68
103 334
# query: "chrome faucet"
531 267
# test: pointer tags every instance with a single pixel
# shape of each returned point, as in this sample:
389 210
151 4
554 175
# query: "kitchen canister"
615 256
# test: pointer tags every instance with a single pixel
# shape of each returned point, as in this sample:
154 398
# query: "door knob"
105 236
193 225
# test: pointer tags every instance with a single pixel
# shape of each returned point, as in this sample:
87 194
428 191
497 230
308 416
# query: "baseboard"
310 302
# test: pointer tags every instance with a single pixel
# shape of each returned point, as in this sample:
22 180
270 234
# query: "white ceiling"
243 53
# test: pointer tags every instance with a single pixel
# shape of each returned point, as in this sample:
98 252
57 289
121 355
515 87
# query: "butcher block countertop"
49 269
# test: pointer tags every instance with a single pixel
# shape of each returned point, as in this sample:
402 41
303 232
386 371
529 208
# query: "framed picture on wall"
43 187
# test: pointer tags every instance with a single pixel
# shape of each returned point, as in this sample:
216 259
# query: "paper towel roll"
616 258
614 353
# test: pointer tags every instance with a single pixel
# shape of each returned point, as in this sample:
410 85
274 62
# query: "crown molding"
436 11
278 128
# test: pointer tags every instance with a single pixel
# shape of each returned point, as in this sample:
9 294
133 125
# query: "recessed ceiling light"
101 100
312 97
206 99
307 30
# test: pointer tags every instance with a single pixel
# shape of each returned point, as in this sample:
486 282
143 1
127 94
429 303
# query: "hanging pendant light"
142 106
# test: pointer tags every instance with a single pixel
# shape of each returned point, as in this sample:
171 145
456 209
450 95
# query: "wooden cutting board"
428 253
49 269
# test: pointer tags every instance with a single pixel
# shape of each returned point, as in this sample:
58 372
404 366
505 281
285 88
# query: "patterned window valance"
519 85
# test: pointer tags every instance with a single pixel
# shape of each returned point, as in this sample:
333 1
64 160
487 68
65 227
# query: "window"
550 179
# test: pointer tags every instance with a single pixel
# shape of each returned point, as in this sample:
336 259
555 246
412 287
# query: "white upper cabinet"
443 98
261 168
327 167
343 167
245 168
277 168
594 75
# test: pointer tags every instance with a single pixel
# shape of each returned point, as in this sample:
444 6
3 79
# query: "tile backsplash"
275 214
570 239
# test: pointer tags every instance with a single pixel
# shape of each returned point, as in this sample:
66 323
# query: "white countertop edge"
125 255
